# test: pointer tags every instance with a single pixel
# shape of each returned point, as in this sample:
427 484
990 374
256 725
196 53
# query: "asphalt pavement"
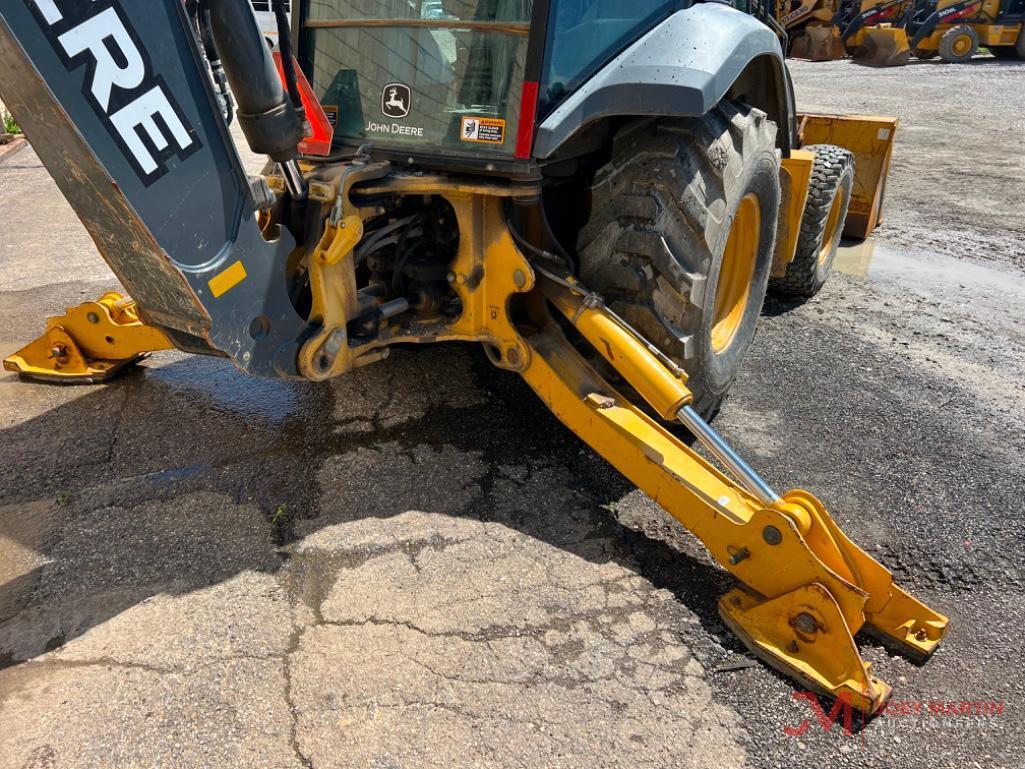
418 566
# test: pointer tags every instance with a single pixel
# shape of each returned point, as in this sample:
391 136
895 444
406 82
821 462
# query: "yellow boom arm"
807 589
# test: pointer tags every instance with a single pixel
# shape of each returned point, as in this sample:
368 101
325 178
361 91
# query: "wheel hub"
832 222
733 286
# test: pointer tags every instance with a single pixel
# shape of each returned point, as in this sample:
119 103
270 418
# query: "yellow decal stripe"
223 282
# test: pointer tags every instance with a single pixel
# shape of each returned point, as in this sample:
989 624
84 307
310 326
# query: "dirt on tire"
661 213
832 175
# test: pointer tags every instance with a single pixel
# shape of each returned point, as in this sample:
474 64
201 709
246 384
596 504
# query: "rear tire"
680 237
959 44
825 211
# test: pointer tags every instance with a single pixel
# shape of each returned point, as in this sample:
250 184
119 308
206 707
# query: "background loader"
885 33
950 29
592 190
825 30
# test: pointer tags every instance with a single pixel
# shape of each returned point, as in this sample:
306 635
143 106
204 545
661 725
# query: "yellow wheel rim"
733 288
962 45
832 222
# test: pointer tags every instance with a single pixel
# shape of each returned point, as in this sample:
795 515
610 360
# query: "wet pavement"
417 565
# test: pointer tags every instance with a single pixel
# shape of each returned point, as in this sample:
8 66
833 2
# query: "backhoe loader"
591 189
813 27
825 30
951 29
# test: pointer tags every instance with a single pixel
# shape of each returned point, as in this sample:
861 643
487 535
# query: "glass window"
433 76
583 35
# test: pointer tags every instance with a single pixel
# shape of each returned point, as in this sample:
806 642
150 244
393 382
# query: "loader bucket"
871 140
883 47
819 43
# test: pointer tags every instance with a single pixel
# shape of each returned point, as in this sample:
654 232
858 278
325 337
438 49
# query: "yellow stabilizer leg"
807 588
91 343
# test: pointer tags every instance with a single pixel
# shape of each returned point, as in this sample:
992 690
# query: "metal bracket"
90 343
807 589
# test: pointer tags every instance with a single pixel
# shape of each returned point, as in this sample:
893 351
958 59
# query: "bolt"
771 535
806 623
920 634
93 318
451 277
740 555
59 352
519 278
513 356
735 600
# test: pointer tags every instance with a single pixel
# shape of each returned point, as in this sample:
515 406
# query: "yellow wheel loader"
825 30
812 28
951 29
581 186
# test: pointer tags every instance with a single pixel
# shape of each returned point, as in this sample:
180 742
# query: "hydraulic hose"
266 114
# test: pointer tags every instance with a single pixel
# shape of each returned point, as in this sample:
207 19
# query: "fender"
681 68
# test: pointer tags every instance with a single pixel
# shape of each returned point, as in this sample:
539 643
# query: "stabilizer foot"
91 343
908 625
803 634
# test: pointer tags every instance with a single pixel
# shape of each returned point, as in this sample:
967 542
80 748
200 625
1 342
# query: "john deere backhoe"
592 189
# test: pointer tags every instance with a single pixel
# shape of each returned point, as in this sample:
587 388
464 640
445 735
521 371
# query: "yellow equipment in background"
824 30
812 28
882 46
887 33
951 29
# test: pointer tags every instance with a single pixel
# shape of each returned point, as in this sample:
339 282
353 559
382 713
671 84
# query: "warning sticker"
482 129
331 110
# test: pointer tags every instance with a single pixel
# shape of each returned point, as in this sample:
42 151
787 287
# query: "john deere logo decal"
395 98
120 83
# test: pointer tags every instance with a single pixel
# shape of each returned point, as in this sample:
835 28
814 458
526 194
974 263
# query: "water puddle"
222 387
928 273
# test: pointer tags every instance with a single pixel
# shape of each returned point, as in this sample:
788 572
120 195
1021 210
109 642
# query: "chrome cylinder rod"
722 451
294 181
394 307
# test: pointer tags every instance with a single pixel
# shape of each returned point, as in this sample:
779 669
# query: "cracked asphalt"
417 566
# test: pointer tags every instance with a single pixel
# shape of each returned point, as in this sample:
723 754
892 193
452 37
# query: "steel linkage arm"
805 589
